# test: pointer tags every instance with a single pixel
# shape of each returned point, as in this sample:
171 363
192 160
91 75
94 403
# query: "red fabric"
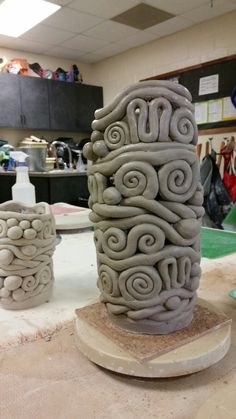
229 167
230 184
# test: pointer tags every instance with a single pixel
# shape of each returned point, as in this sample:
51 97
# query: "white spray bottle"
22 190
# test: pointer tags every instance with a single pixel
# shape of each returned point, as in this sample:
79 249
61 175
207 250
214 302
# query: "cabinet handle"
22 119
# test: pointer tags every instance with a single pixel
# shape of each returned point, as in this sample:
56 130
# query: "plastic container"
50 163
80 167
22 190
37 156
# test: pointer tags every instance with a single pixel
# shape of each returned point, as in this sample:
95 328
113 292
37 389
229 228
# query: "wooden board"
147 347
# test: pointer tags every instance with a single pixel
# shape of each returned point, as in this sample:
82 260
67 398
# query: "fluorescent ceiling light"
18 16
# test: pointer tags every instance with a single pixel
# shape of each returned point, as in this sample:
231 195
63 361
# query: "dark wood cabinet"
24 102
62 106
31 102
87 94
72 106
51 187
34 103
10 101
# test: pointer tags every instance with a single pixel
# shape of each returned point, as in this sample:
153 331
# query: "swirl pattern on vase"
26 249
146 201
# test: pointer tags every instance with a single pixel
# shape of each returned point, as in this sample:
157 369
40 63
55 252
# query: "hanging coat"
216 196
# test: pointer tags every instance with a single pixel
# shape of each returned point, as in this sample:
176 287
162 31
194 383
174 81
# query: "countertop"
52 173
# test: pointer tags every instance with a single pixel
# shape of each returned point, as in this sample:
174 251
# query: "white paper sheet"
209 84
229 111
201 112
215 110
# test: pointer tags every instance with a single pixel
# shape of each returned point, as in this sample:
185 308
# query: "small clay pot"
27 243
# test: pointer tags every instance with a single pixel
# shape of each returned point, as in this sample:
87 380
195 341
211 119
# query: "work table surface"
53 173
52 370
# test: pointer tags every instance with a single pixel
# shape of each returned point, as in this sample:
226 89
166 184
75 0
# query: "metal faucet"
56 142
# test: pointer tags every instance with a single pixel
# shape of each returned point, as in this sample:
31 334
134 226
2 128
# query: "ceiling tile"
7 41
80 30
91 58
50 36
142 16
85 43
65 52
170 26
60 2
23 45
103 8
140 38
176 6
112 30
206 12
112 49
30 46
71 20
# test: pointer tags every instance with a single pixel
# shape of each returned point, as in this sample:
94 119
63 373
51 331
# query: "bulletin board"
211 85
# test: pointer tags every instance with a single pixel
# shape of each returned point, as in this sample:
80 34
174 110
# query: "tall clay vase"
27 242
146 201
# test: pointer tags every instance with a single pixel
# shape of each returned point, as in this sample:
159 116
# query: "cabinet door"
62 105
10 105
72 105
88 100
34 102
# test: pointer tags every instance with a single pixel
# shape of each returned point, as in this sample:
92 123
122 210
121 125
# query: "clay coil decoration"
146 201
27 243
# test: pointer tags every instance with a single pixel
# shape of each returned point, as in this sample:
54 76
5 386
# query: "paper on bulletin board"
201 112
215 110
209 84
229 111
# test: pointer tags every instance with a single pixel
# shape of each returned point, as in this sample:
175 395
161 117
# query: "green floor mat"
229 222
231 217
217 243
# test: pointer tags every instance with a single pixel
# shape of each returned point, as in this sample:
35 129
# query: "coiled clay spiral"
27 242
146 201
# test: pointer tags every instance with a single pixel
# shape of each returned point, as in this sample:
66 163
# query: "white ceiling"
81 29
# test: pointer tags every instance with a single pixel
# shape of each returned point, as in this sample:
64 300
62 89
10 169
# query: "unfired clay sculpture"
27 242
146 201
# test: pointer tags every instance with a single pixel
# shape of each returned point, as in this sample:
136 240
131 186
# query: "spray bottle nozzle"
20 157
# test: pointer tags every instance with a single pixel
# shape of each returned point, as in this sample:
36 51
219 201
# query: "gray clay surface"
27 242
146 201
